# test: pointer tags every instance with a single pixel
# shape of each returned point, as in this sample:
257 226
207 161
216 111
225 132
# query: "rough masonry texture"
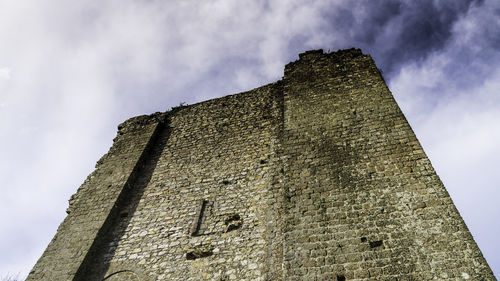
315 177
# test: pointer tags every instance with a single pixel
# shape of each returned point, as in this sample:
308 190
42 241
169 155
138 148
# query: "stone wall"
204 211
364 200
315 177
94 204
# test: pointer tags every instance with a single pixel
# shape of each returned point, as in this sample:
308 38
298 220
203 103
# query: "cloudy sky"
71 71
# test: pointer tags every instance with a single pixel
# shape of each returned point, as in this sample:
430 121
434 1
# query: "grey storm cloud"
71 71
398 32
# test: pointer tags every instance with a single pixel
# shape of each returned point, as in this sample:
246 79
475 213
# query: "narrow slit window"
195 226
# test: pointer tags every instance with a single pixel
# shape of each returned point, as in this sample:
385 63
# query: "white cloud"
5 73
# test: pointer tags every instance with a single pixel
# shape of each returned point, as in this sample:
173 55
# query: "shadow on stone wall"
97 260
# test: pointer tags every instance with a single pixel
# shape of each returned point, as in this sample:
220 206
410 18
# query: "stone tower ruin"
317 176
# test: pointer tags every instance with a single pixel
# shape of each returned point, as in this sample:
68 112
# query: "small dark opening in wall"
232 226
196 224
231 218
196 254
374 244
263 161
363 239
340 278
226 182
233 222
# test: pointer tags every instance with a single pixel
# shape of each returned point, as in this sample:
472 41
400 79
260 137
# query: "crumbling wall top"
311 57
